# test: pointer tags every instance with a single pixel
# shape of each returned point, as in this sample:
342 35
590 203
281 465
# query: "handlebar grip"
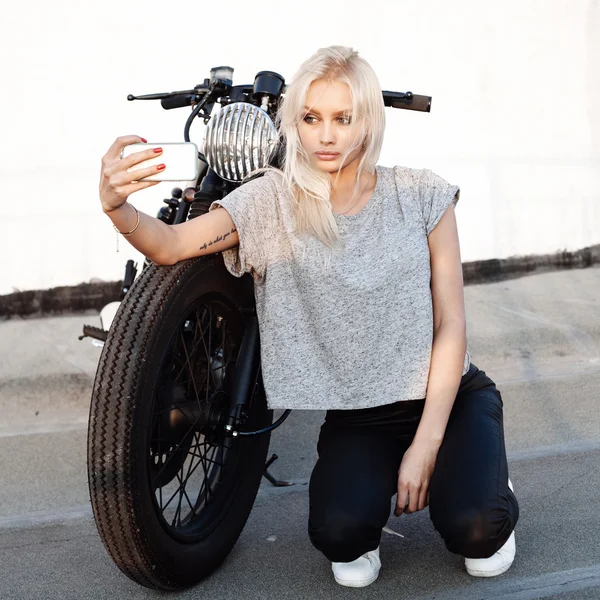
422 103
177 101
407 100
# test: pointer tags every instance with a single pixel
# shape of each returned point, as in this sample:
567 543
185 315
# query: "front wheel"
170 491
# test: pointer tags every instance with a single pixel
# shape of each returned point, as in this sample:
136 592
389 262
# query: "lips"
327 153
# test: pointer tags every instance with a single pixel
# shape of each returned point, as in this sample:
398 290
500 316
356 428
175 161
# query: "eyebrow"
339 112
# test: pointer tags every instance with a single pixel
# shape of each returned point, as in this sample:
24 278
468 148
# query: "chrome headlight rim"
239 139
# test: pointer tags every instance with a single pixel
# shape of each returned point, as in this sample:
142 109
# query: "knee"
341 537
476 533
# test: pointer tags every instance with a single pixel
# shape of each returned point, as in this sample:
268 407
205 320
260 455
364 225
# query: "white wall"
515 115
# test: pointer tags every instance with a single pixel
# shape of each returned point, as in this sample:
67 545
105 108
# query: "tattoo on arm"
219 238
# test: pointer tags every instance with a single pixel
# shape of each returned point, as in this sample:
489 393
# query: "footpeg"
93 332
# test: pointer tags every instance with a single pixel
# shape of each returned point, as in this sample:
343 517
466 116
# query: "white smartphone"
180 159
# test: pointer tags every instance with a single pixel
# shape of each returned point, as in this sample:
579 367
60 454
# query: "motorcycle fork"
247 375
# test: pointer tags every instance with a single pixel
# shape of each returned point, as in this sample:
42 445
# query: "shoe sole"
357 583
498 571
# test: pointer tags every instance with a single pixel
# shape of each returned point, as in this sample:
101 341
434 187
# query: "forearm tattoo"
219 238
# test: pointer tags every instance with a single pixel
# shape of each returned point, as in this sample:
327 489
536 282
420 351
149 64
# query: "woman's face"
328 124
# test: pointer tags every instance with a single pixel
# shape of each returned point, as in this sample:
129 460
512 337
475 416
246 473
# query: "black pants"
356 474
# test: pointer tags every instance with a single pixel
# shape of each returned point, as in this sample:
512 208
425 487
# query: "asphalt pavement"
537 337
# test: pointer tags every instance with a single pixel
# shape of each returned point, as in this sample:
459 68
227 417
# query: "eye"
345 120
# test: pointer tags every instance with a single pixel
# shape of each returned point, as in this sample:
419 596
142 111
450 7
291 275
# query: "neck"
344 186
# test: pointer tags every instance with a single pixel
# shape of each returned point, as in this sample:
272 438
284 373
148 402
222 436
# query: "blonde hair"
310 187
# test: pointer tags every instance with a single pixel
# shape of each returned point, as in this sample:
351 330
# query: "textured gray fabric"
361 334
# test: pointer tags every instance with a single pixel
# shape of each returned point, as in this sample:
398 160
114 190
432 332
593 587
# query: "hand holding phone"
180 160
115 181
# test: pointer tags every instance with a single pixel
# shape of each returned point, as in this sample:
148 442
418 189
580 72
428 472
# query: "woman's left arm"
449 329
447 361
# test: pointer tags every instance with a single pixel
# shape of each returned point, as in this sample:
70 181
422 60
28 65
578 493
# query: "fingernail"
145 141
157 150
160 167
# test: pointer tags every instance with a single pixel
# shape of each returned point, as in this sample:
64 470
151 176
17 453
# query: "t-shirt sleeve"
435 195
253 209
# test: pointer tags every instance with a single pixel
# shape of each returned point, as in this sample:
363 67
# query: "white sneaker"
496 564
360 572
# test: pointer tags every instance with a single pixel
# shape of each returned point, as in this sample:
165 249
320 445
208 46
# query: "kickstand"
275 482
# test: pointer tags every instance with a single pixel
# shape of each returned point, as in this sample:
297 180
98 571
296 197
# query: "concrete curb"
60 300
93 296
485 271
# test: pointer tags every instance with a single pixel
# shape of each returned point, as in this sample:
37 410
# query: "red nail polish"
157 150
145 141
160 167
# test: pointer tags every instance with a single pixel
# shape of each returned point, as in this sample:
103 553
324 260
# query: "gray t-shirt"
360 334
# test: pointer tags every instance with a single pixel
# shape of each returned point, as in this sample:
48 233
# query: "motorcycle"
179 426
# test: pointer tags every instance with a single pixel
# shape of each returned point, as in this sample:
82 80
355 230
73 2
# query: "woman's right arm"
163 244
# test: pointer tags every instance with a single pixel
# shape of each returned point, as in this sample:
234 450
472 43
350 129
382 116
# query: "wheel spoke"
206 459
206 480
177 510
177 491
210 329
183 493
174 451
191 369
189 469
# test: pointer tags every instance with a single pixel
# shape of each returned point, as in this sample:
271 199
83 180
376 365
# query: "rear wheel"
170 491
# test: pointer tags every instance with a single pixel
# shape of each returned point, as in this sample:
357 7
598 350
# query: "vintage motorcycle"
179 427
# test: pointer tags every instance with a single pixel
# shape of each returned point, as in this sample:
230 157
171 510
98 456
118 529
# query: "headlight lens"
240 138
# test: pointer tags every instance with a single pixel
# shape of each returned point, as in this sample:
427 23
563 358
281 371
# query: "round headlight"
240 138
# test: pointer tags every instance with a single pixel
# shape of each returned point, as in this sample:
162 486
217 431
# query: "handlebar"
181 98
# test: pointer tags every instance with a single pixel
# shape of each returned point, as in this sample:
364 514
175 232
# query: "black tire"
136 392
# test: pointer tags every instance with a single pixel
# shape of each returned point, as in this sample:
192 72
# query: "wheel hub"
175 428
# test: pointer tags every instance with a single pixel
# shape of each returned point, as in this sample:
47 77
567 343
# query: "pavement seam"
546 585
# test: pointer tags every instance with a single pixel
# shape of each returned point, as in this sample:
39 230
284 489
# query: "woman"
359 293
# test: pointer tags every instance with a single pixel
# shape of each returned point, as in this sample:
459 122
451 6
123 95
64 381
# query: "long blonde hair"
310 187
